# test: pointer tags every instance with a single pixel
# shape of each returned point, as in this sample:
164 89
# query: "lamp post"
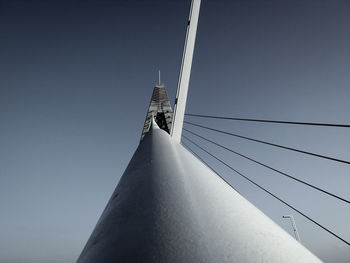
297 237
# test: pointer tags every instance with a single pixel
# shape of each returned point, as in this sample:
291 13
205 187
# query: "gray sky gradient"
75 82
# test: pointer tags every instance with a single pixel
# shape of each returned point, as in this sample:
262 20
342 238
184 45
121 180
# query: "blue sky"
75 83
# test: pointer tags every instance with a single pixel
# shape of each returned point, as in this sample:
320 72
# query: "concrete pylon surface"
169 207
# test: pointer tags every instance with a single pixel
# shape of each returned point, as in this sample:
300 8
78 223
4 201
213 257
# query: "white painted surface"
169 207
185 72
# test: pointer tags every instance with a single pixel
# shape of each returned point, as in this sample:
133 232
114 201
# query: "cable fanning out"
269 143
267 191
271 168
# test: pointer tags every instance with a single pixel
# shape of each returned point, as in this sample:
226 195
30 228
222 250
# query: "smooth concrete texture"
169 207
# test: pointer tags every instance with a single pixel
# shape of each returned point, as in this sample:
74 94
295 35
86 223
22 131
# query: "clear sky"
76 78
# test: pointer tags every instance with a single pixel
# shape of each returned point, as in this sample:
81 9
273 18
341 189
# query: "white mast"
169 207
185 71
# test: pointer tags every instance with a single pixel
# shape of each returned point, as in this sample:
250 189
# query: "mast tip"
159 83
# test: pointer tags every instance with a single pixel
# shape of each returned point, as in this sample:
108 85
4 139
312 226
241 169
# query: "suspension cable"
270 121
269 167
210 167
267 191
269 143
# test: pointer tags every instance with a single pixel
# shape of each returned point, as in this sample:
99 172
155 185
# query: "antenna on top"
159 83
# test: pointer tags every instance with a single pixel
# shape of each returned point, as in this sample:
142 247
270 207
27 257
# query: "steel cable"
210 167
270 121
269 167
267 191
269 143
